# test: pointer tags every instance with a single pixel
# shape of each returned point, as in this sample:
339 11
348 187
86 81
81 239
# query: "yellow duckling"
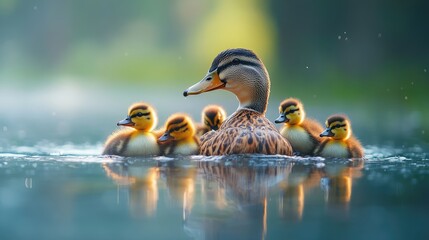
247 130
179 136
340 142
301 132
138 139
212 117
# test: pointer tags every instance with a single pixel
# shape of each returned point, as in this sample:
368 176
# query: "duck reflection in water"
337 184
234 199
141 181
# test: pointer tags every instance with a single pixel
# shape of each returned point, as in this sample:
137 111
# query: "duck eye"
139 114
236 61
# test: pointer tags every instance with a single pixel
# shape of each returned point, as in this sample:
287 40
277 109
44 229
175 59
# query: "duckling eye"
236 61
139 114
292 111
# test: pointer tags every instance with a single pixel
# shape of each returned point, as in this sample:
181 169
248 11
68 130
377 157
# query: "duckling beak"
327 133
126 122
165 137
209 83
281 119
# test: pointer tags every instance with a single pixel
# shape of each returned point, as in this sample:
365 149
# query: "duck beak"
165 137
327 133
281 119
209 83
126 122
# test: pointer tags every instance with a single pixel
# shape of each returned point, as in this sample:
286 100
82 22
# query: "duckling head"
338 127
241 72
141 116
178 126
213 116
291 112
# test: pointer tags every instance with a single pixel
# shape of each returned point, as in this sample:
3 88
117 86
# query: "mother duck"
247 130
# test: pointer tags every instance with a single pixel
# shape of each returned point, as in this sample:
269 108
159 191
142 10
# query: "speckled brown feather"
245 131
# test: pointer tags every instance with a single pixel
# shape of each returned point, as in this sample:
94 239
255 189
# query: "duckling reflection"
141 182
234 199
338 182
180 180
292 190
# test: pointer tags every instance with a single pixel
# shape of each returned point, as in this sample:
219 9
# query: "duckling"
247 130
138 139
212 117
340 142
301 132
179 136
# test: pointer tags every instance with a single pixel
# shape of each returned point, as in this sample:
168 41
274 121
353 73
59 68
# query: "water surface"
71 192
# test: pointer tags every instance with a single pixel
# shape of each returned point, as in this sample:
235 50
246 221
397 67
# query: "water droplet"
4 129
425 70
345 32
339 37
423 131
306 67
28 183
379 35
406 98
34 165
346 38
412 83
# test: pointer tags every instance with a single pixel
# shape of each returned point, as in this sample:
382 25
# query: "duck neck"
253 95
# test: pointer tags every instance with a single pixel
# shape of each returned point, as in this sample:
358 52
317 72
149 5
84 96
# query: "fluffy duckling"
301 132
247 130
179 136
340 142
138 139
212 117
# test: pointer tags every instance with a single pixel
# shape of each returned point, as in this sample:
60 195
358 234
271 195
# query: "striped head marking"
337 127
178 126
241 72
141 116
291 112
213 116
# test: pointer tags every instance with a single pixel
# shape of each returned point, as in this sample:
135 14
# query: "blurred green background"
69 69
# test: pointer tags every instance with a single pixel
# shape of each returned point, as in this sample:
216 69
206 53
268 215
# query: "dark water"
70 192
